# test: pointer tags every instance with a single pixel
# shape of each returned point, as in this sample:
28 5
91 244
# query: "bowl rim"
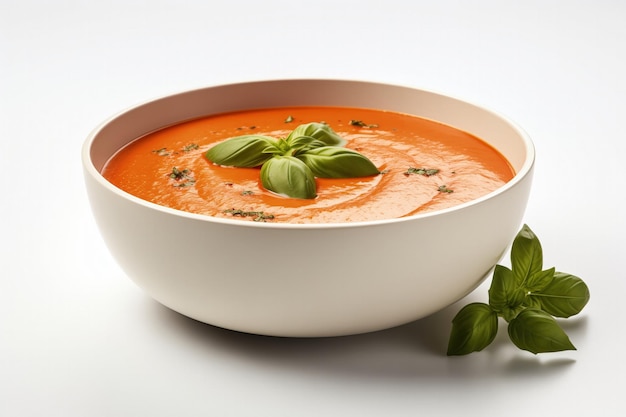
90 169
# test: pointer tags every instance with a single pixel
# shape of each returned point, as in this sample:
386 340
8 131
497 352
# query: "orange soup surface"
425 166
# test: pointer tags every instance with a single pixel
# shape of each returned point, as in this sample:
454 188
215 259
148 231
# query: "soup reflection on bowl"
362 254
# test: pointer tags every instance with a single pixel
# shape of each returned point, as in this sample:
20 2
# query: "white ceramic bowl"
374 275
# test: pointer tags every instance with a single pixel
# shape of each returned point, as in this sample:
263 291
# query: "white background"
78 338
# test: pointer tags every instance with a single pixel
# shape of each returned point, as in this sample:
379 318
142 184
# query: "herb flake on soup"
396 165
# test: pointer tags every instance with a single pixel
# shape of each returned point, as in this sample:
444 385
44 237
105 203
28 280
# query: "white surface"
77 338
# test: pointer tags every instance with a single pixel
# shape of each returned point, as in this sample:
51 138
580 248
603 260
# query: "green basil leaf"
537 331
245 151
304 143
319 131
526 255
337 162
539 280
505 296
502 285
287 175
473 328
566 295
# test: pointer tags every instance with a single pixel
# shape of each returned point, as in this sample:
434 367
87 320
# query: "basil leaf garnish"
502 284
304 143
526 255
242 151
473 329
537 331
288 176
539 280
565 296
505 296
336 162
319 131
315 144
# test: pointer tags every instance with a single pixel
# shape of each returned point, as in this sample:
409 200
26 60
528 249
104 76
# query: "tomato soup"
425 166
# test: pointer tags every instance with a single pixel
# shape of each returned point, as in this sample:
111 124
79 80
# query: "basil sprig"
289 165
526 296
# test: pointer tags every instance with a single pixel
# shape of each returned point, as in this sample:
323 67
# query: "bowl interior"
495 130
